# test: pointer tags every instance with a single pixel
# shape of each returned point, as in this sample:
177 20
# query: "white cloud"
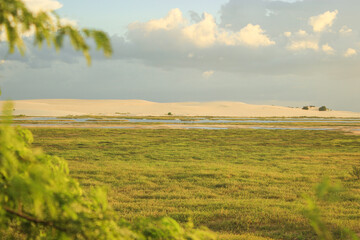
207 74
302 33
287 34
202 34
269 12
42 5
301 40
251 35
190 55
345 29
328 49
305 44
173 20
323 21
206 33
350 52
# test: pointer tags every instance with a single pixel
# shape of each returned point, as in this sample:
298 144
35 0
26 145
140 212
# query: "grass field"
240 183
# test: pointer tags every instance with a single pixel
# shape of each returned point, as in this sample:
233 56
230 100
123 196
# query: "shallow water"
267 128
293 128
200 120
186 127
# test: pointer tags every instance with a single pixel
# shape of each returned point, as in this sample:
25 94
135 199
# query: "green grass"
241 183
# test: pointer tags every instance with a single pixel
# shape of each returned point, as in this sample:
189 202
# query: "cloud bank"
203 34
257 37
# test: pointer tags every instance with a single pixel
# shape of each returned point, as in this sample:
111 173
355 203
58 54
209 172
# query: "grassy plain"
241 183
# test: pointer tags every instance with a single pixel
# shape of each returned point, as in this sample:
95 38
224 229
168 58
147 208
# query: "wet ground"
350 125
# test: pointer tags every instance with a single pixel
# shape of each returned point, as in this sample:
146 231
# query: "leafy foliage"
325 191
16 20
167 228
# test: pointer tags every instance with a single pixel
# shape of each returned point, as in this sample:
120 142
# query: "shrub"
169 114
323 108
305 108
355 172
325 191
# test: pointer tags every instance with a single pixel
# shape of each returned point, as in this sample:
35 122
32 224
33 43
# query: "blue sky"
255 51
113 16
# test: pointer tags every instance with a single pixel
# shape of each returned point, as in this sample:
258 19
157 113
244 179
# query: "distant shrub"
355 172
323 108
305 108
169 114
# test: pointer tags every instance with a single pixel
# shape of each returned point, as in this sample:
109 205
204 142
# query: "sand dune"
63 107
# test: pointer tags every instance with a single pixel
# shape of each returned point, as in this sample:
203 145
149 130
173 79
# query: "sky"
289 53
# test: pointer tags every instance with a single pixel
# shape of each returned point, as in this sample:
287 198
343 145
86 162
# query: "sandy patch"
64 107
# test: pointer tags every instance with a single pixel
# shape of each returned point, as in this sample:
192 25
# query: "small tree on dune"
323 108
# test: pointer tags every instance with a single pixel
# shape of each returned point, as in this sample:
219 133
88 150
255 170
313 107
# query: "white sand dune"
64 107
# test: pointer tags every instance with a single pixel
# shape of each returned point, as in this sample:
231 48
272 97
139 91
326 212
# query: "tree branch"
32 219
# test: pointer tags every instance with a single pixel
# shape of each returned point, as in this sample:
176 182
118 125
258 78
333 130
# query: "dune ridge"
64 107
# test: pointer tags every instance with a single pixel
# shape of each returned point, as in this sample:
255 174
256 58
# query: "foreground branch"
32 219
